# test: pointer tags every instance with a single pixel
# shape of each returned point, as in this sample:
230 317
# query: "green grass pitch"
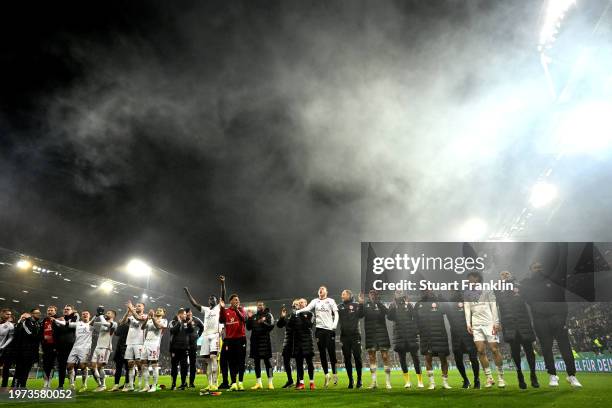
595 393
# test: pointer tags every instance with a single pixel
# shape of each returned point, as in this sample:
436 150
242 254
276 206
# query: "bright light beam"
542 194
473 229
138 268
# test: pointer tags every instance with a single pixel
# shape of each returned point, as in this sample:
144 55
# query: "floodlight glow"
542 194
107 286
473 229
587 128
138 268
24 264
144 296
555 12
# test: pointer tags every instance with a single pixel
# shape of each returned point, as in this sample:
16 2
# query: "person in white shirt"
134 316
326 321
7 331
80 353
482 321
154 327
105 325
210 337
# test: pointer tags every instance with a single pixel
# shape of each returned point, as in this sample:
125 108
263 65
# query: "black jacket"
65 335
28 333
461 339
349 314
179 335
121 335
432 330
376 334
261 346
545 297
301 326
405 329
288 339
514 317
194 335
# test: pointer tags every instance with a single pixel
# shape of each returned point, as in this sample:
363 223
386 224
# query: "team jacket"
349 314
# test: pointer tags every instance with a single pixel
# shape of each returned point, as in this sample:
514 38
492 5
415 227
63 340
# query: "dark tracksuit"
27 341
462 340
260 325
287 346
179 345
405 333
349 313
432 329
64 336
516 328
376 334
192 352
120 362
303 348
549 310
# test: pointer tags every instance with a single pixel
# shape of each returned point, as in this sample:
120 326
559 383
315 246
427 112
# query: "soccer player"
7 332
517 329
376 336
64 337
134 342
234 318
301 324
462 341
198 329
154 328
326 320
105 325
549 310
261 324
405 333
433 336
79 355
288 341
179 343
483 323
212 332
349 313
27 342
48 344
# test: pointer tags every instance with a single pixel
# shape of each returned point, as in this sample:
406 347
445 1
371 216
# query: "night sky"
265 140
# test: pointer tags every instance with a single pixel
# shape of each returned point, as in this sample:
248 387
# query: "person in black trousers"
64 336
405 336
118 357
462 341
546 299
349 313
192 351
287 341
517 329
180 331
376 336
303 347
261 324
27 341
48 345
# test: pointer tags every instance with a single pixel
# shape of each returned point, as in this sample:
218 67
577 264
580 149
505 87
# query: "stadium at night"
339 202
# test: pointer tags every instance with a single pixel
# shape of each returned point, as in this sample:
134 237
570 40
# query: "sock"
96 375
146 376
420 378
487 372
430 375
155 375
388 374
406 378
131 376
71 376
311 381
259 381
102 375
373 372
270 380
444 378
84 376
214 370
500 371
301 381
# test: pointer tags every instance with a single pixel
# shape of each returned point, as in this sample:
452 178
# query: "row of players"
473 317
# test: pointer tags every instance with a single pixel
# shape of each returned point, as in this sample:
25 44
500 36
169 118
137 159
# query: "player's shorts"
78 356
485 333
100 355
133 352
210 344
150 352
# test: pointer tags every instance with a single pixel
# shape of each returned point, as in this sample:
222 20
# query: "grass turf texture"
595 393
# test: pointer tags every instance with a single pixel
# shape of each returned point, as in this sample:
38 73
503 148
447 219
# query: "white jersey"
211 319
153 334
7 329
135 333
83 334
104 328
325 311
483 312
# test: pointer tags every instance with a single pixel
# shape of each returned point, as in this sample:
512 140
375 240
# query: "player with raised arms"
105 325
135 340
154 327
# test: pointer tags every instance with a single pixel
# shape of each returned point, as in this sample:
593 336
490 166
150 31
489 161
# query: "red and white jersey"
325 311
